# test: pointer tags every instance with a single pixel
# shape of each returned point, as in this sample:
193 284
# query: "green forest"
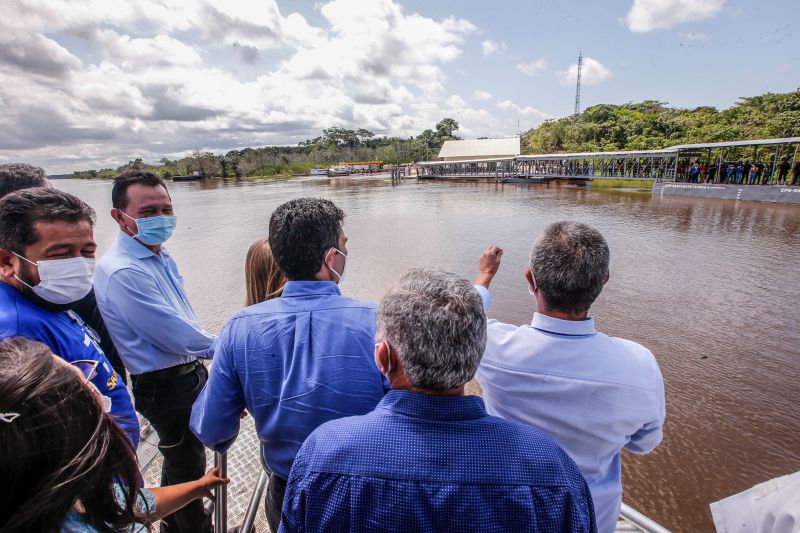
651 125
632 126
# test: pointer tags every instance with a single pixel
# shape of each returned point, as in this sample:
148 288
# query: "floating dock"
722 174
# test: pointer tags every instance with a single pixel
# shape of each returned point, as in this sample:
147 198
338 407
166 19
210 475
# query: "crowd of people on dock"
360 408
741 173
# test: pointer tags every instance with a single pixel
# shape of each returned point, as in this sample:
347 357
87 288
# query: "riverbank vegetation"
633 126
334 146
609 183
652 125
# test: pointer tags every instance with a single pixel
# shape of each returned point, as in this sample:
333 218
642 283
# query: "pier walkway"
775 159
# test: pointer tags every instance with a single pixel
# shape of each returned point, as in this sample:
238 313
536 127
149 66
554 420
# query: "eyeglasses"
87 367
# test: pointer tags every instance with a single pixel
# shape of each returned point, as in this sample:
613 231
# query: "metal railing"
255 500
221 499
221 495
641 521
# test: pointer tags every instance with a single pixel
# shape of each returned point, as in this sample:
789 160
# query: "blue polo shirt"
294 362
69 338
434 463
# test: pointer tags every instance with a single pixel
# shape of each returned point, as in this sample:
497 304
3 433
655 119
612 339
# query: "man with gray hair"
594 394
429 458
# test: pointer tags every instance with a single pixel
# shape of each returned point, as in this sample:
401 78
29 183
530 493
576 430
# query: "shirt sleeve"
649 436
145 500
122 412
107 382
293 510
486 296
217 410
136 297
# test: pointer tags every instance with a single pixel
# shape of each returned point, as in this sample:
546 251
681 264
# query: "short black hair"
300 232
18 176
119 193
21 210
569 262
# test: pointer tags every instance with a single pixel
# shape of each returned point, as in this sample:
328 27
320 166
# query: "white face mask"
344 270
63 281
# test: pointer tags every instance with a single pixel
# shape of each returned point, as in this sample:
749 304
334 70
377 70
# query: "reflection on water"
710 286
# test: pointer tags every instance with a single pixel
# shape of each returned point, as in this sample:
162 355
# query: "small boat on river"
194 176
339 171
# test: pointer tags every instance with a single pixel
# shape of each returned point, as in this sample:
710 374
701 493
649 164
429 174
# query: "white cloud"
481 95
490 47
534 67
592 73
144 53
649 15
526 111
160 78
692 36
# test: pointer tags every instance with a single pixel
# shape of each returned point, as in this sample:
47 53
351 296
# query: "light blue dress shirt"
295 362
594 394
146 310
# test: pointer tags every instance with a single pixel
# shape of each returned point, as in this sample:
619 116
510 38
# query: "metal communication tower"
578 87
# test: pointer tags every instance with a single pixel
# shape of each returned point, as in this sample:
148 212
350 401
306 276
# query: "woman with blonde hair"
263 279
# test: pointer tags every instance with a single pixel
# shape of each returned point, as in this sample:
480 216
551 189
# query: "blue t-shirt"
69 338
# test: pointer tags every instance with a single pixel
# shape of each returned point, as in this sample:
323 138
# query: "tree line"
645 125
652 125
334 146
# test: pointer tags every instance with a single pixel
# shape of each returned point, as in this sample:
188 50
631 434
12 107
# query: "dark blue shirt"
433 463
67 337
295 362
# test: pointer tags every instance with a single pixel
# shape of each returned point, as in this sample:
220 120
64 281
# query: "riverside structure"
669 169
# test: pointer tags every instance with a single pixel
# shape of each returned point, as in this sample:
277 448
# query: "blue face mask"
153 230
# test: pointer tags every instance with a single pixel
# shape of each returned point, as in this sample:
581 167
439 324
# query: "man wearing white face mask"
296 361
147 311
46 264
18 176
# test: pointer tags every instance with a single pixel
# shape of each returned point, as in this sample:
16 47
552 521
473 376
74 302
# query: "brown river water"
711 287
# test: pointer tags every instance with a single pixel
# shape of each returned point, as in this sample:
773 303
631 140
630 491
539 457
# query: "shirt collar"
563 327
294 289
418 405
133 247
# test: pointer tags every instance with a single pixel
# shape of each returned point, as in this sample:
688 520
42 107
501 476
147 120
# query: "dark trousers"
167 404
273 502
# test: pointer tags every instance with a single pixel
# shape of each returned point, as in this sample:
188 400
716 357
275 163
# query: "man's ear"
7 260
117 215
122 221
531 279
608 276
383 357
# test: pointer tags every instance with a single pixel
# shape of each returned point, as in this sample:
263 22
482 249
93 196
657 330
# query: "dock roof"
472 148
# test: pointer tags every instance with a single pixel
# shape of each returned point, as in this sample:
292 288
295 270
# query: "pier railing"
776 161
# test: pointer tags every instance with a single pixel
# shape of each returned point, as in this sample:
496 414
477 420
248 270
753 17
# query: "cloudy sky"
94 83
